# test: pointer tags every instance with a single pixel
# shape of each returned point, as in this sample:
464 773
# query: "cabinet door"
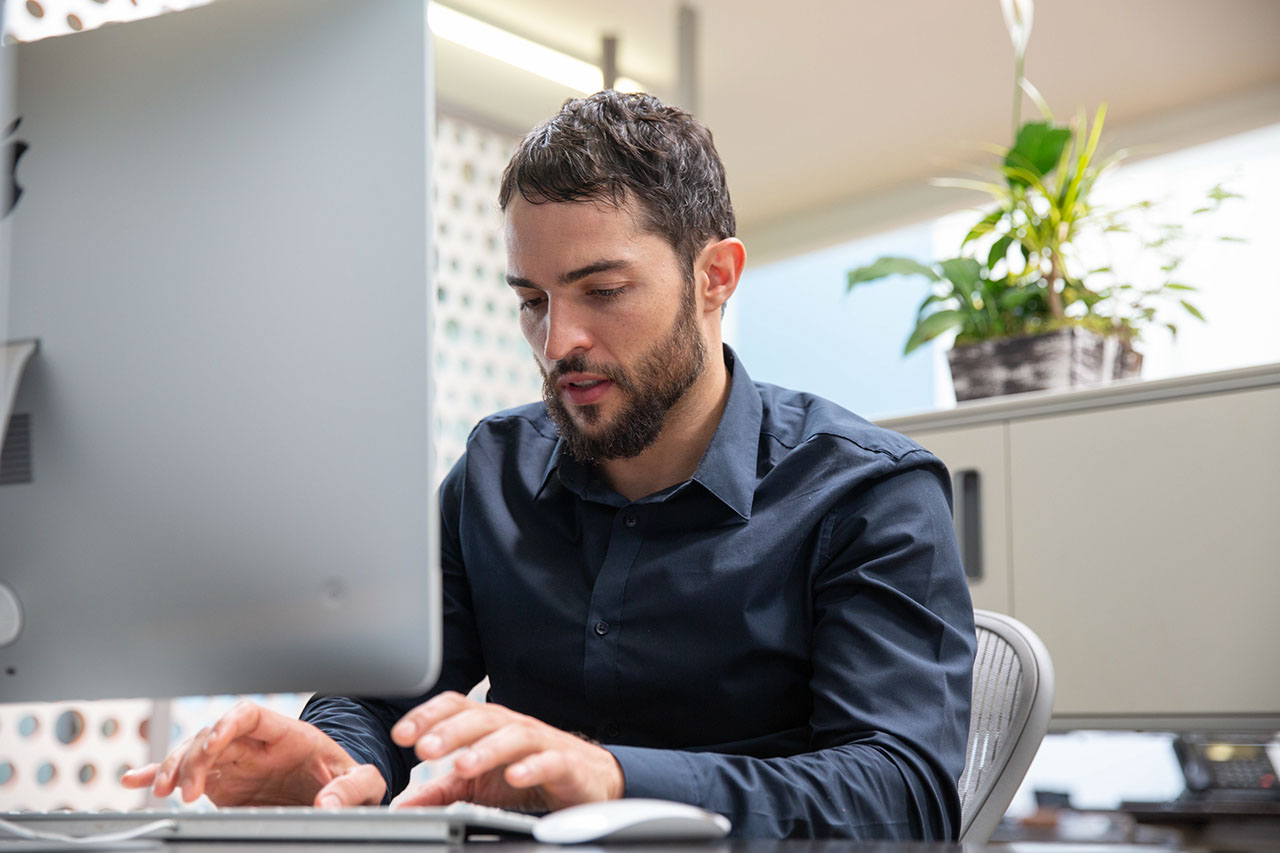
968 452
1146 547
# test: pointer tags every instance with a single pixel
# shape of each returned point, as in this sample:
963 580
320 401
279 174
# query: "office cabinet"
1135 528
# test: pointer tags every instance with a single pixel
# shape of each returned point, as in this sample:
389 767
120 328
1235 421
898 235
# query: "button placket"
600 659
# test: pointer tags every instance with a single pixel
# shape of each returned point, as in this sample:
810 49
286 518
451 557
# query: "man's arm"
893 646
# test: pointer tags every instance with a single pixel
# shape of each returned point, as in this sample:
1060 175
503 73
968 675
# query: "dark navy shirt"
786 638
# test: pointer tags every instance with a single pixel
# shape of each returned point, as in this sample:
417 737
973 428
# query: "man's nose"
567 331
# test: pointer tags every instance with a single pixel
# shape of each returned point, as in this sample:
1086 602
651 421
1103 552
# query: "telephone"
1227 768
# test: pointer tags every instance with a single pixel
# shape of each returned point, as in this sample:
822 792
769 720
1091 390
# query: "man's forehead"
573 231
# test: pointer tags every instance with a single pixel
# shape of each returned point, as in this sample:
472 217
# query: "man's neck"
685 436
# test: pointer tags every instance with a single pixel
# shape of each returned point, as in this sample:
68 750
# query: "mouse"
630 820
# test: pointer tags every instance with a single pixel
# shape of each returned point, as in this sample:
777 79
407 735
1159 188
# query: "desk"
510 846
1237 826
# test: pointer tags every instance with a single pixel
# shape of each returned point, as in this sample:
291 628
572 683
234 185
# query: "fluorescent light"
524 54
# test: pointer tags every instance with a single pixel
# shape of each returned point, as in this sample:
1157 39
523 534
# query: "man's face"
612 321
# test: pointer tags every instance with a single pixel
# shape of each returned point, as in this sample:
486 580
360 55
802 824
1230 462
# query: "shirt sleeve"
362 726
892 650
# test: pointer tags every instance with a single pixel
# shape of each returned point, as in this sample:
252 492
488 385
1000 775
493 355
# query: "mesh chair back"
1012 703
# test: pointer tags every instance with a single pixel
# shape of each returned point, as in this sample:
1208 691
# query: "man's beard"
662 377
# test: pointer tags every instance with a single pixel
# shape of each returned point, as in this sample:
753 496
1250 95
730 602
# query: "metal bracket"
13 361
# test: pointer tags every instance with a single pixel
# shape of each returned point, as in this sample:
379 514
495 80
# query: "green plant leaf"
999 250
1015 297
1038 99
1173 330
932 326
1178 286
1219 193
964 273
887 266
1193 310
1228 239
1038 147
986 226
931 299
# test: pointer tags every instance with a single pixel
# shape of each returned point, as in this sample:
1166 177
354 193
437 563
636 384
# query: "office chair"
1012 702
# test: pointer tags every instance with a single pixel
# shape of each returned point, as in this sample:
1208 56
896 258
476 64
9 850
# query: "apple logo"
15 149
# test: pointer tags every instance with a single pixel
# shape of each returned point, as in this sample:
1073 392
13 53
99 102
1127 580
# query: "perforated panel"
71 754
29 20
483 363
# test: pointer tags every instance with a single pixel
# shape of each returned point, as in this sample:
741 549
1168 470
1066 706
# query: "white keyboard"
450 823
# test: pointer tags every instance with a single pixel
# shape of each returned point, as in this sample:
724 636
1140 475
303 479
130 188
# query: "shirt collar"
727 469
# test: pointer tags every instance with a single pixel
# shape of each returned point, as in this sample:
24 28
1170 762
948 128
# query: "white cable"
19 831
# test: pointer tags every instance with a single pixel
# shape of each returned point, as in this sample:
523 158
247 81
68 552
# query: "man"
681 583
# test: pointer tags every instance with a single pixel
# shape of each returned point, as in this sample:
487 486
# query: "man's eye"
530 304
607 292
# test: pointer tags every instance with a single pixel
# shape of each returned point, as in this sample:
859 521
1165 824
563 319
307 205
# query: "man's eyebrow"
573 275
591 269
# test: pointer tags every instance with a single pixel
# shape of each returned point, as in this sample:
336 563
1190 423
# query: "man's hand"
253 756
509 760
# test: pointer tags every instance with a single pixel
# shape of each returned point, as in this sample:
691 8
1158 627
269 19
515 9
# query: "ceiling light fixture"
577 74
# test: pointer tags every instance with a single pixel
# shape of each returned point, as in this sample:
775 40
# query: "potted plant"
1028 311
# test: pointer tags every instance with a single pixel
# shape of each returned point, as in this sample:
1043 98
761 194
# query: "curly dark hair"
618 147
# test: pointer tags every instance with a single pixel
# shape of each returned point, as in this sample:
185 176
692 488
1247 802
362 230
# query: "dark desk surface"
510 846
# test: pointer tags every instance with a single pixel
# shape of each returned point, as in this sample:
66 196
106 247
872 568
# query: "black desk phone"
1227 767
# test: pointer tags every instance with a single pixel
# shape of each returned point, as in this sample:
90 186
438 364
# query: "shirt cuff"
663 774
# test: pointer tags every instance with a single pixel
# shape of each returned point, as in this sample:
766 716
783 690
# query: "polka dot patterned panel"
483 364
71 754
31 20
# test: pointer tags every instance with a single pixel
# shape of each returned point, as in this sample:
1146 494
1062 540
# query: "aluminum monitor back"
223 250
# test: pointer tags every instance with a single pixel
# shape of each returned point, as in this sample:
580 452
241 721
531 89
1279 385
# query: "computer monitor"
223 249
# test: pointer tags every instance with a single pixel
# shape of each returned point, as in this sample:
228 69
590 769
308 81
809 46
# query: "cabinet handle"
967 489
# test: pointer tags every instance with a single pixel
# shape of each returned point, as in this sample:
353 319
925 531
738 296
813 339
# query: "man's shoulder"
797 418
527 423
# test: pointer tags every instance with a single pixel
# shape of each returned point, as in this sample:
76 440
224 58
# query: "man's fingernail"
404 730
431 743
519 771
330 801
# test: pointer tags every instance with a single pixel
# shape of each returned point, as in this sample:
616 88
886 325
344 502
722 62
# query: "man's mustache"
577 363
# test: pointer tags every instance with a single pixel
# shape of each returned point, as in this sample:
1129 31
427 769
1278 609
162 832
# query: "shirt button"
631 520
602 627
612 730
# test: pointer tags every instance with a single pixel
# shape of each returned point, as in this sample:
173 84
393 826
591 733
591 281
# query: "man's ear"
719 268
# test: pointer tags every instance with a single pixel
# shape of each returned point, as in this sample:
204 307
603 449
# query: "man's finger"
540 768
360 786
414 724
247 720
168 768
464 728
438 792
194 767
512 742
140 777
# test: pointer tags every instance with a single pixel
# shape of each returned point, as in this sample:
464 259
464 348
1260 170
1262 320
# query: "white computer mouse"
630 820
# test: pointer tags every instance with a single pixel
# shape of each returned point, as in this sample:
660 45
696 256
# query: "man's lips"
582 389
